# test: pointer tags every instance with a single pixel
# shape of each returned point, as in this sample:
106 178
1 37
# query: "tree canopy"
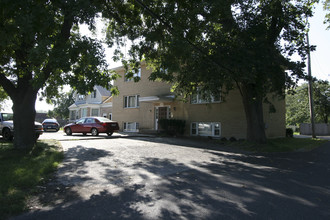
218 45
326 7
297 104
3 97
62 104
41 48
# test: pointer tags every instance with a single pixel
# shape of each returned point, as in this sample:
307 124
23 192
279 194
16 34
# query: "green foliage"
297 104
3 97
41 48
214 46
62 103
173 126
326 7
52 52
209 44
22 171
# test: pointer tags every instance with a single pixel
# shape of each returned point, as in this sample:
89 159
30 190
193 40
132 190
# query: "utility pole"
310 88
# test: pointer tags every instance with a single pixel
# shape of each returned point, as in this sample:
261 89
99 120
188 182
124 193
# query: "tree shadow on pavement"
230 186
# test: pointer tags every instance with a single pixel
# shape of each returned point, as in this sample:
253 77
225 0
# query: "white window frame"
127 101
138 74
197 98
73 114
98 112
135 127
81 97
93 94
215 132
83 111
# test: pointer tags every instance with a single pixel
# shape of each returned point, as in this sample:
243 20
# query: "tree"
215 46
321 92
297 107
326 7
41 48
3 97
62 103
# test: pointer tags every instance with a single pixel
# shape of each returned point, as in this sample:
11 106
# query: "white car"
7 126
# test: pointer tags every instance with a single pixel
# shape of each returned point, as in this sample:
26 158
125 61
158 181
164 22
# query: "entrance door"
161 113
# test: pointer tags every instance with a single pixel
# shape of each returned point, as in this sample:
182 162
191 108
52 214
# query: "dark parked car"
50 124
93 125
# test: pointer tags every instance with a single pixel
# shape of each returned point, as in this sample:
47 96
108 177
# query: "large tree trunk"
254 114
24 116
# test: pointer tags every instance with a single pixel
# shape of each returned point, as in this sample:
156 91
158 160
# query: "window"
206 129
90 121
81 97
93 94
81 121
131 101
73 115
131 126
7 116
200 98
83 112
95 112
138 74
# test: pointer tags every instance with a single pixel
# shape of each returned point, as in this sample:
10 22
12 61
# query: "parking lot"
60 135
148 177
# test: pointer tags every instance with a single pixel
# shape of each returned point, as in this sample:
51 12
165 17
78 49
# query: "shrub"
172 126
289 132
232 139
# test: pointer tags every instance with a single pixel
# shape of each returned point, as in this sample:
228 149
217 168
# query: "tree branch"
62 39
8 86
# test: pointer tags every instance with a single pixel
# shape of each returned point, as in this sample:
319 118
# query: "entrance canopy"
156 99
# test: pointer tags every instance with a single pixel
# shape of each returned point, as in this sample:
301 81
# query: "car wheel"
84 134
94 132
6 134
68 131
110 133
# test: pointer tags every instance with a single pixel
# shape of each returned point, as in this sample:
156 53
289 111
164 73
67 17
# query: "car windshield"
101 119
50 120
7 116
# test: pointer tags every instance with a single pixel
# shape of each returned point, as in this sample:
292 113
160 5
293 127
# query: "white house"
97 103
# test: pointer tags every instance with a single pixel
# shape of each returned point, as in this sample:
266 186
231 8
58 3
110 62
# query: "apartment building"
140 105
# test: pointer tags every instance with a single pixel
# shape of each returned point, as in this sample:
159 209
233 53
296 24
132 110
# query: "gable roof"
103 91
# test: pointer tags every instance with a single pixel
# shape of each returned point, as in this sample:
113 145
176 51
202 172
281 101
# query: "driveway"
173 178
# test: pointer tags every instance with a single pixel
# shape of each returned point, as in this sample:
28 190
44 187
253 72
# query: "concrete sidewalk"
310 136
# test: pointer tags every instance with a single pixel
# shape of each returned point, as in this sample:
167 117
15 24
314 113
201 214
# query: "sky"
319 36
320 59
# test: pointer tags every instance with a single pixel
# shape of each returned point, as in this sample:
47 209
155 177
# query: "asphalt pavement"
131 177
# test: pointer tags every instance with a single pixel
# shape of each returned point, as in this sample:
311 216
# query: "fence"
321 129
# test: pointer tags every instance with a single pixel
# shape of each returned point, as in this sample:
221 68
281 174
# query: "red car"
94 125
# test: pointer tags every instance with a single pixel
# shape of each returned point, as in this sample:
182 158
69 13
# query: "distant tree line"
297 104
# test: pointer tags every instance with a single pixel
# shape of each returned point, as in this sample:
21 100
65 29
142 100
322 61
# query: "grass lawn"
281 145
21 171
